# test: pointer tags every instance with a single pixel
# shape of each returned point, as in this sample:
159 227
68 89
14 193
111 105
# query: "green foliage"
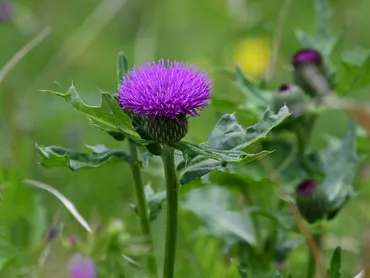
53 156
225 145
335 263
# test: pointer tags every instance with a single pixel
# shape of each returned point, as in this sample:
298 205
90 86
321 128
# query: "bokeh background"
85 38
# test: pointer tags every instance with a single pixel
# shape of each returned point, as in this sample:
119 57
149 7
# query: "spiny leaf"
59 157
108 114
226 144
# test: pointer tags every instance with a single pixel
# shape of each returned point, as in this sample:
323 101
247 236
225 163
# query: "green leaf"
59 157
226 144
253 93
209 204
324 14
335 264
67 203
119 136
217 154
122 66
108 114
353 71
340 163
155 202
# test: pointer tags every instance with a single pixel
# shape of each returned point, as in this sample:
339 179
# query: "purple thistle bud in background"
5 11
306 56
164 95
310 73
312 201
291 96
81 267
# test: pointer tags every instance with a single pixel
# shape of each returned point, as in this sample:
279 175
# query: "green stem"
172 205
142 208
311 260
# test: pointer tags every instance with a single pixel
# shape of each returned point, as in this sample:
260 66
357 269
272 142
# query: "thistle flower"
163 95
311 200
291 96
81 267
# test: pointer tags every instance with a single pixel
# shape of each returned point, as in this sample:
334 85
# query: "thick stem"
172 205
142 209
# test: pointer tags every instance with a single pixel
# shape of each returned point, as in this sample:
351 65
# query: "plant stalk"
142 208
311 259
172 206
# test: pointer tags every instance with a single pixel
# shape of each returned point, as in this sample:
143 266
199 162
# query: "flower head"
307 56
284 88
165 90
81 267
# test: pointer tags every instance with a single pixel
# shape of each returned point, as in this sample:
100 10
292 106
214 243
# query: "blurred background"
81 42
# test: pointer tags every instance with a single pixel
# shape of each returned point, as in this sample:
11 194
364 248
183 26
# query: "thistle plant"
286 197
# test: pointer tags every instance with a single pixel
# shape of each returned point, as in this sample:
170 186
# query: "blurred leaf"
67 203
335 264
255 96
225 145
325 46
353 70
59 157
207 204
108 114
154 201
340 163
324 15
122 66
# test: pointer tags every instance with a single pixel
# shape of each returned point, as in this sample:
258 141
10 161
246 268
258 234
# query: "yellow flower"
253 56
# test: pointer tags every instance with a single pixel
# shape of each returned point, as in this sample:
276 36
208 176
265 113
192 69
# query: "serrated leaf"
340 163
67 203
109 114
53 156
218 154
335 264
226 144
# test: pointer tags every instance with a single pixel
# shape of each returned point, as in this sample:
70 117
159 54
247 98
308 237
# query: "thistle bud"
310 73
312 201
167 130
291 96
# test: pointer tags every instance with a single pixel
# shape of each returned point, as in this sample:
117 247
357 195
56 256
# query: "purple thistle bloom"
81 267
306 187
5 11
306 56
166 90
